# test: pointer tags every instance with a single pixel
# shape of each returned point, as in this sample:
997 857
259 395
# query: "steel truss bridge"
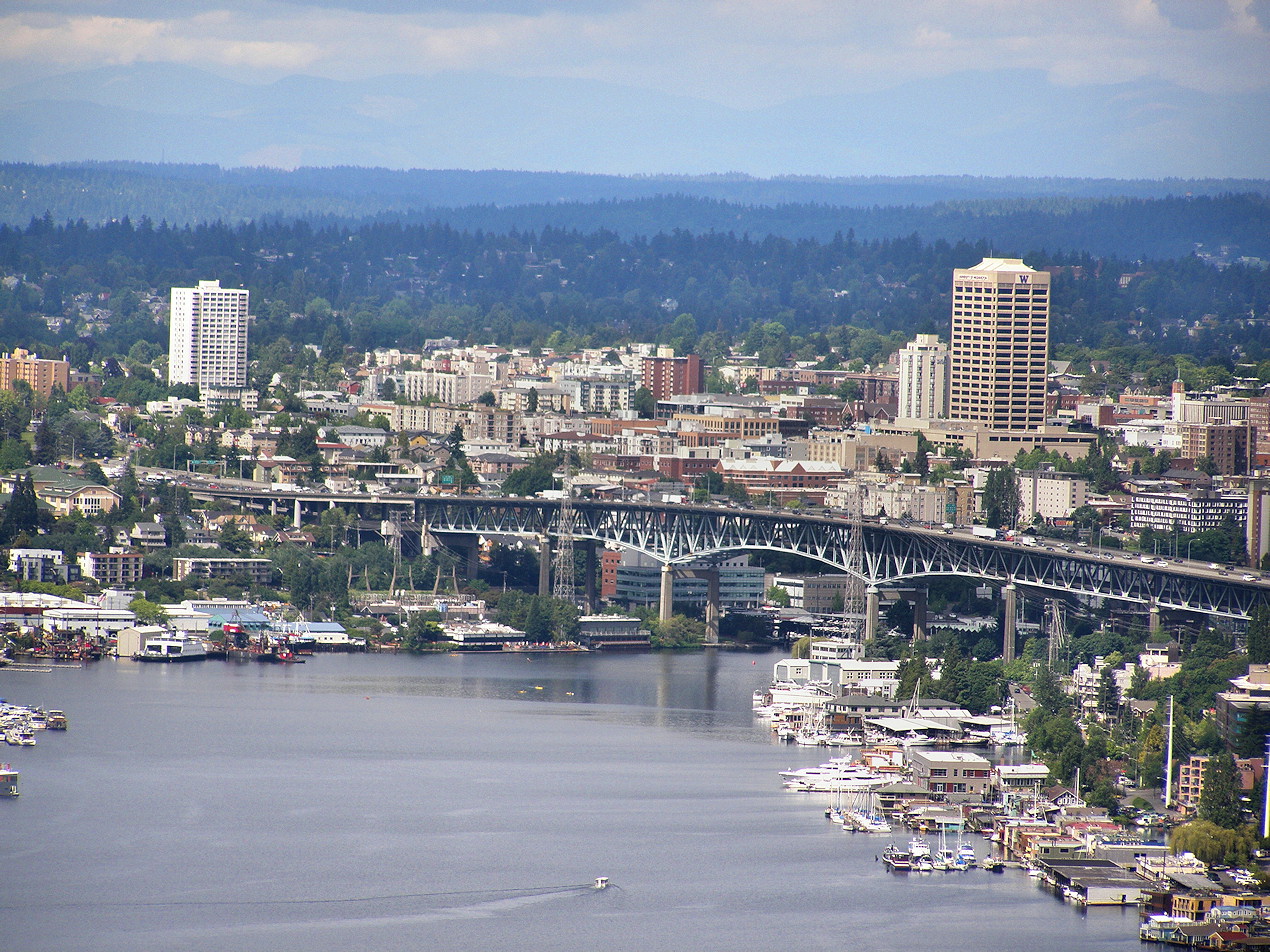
894 556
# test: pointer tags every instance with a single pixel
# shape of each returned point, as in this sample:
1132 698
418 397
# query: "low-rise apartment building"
1197 511
1190 778
113 569
259 571
953 775
1050 494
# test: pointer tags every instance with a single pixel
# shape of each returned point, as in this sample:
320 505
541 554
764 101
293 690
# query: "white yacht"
20 737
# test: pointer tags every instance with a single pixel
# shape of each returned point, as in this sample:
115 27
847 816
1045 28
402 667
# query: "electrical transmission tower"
562 565
1056 631
853 601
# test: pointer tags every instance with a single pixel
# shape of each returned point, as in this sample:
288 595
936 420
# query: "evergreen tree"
129 492
1001 498
1259 635
1219 801
22 514
1251 740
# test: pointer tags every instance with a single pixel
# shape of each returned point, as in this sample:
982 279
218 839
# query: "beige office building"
1000 344
924 379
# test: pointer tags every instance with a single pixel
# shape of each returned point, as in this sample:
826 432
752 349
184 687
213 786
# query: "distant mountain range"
989 123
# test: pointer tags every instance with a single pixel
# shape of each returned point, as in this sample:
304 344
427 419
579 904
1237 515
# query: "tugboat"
277 652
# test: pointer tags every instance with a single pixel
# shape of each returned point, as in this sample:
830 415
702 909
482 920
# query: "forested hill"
1129 228
1128 219
92 291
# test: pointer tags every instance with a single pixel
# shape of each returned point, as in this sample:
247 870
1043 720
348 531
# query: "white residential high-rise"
924 379
1000 344
208 338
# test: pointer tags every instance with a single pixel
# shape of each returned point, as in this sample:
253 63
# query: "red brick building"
667 377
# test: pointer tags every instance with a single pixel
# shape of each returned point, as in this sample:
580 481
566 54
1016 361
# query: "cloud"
740 53
75 42
1195 14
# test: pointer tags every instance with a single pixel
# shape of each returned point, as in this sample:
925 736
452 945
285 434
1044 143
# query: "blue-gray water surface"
457 802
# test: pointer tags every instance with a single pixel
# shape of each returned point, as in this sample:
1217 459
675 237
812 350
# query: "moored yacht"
896 859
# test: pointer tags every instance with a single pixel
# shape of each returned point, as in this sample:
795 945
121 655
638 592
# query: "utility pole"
1168 763
1265 782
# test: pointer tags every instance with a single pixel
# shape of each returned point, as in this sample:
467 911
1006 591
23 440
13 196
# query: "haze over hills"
1128 219
976 123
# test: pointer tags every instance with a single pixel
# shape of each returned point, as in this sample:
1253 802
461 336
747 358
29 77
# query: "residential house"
149 535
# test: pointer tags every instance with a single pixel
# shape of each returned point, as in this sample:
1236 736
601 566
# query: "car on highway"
1249 578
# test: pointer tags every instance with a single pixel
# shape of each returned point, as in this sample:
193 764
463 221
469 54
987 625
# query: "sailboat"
966 858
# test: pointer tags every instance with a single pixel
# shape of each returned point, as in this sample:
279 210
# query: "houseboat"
172 648
8 781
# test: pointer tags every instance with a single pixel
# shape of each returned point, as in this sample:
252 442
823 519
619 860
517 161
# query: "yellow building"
42 375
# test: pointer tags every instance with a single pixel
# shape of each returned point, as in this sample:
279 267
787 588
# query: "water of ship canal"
456 802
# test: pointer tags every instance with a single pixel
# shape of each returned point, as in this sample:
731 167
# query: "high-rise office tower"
208 338
1000 344
924 379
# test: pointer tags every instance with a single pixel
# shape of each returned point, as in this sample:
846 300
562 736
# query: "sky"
737 54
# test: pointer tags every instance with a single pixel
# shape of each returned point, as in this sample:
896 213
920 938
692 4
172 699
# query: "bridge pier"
871 612
1153 617
592 601
1010 594
295 521
920 599
666 606
544 565
712 607
473 553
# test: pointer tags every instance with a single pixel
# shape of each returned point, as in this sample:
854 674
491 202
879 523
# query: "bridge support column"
544 565
296 519
592 601
666 608
1153 617
919 614
712 607
1010 594
273 507
473 553
871 611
